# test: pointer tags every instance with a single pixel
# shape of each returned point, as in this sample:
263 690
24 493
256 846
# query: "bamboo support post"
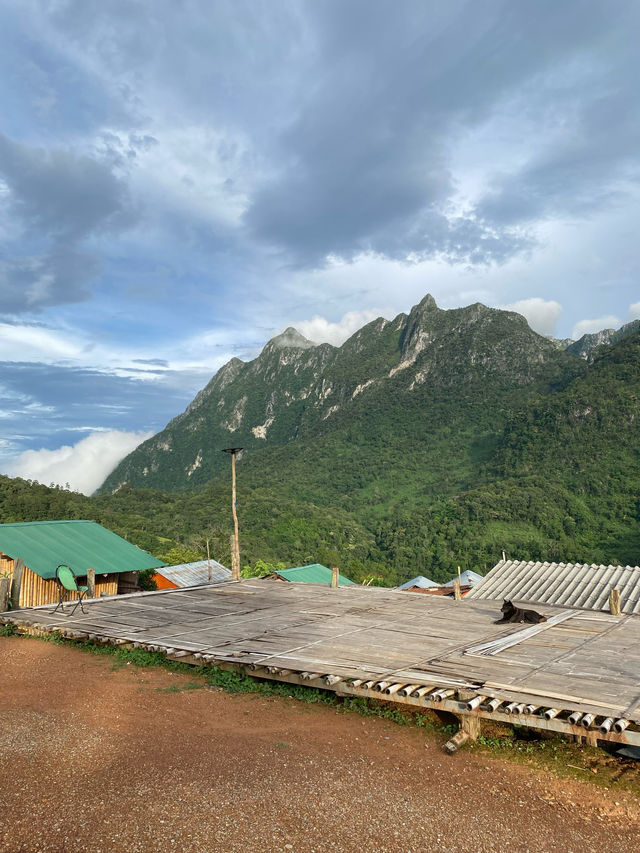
614 602
469 730
334 577
16 583
456 590
5 588
91 583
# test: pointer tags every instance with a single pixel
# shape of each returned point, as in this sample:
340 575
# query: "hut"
191 574
418 583
31 551
313 573
467 578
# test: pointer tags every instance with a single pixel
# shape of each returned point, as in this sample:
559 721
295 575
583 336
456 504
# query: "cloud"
59 199
634 311
589 327
541 314
319 330
84 466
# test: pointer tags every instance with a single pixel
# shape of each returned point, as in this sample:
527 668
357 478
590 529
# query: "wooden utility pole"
209 562
235 551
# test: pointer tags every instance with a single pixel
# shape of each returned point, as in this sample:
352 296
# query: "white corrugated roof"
195 574
467 578
420 581
562 584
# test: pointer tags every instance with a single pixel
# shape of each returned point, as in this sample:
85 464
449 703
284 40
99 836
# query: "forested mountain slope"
435 387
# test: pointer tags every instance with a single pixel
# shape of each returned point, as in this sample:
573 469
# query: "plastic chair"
67 583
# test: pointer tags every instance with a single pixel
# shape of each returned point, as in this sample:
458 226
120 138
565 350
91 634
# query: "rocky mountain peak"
289 339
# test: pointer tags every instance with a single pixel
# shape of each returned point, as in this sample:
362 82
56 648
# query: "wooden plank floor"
360 632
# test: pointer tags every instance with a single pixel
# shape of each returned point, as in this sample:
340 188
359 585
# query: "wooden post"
614 602
235 569
5 588
91 583
457 594
334 578
209 562
235 541
16 583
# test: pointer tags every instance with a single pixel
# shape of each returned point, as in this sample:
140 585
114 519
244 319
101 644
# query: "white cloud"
634 311
319 330
23 342
541 314
84 466
588 327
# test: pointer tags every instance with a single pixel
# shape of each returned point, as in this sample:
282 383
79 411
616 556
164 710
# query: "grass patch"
179 688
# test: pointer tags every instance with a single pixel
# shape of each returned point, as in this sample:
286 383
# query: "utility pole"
235 551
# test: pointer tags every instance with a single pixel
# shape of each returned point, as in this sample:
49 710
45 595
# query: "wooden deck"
388 644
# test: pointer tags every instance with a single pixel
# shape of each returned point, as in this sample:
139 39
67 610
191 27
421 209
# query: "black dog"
511 613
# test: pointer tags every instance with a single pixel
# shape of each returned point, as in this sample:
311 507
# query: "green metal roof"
315 573
83 545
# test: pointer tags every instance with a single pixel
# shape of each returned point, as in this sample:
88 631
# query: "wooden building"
313 573
30 552
191 574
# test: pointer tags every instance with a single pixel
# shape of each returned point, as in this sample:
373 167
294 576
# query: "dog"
511 613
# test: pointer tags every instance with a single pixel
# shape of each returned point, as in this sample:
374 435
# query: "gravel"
97 759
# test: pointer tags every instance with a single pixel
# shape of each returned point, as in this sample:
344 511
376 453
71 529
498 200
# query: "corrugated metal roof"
196 574
419 581
467 578
562 584
314 573
83 545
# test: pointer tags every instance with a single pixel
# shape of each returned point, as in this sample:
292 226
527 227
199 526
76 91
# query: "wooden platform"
370 641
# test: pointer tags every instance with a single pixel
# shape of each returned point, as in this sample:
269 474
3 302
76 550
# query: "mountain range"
433 440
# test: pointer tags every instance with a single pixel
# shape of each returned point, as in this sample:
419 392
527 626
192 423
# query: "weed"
9 630
178 688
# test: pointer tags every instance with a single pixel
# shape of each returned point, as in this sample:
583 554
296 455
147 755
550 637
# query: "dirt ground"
96 758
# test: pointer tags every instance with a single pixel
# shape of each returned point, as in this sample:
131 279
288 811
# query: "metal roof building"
583 586
420 581
192 574
467 578
83 545
40 546
313 573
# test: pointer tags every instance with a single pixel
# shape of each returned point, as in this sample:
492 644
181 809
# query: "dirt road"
97 759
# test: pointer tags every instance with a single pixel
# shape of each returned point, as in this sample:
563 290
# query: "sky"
180 180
